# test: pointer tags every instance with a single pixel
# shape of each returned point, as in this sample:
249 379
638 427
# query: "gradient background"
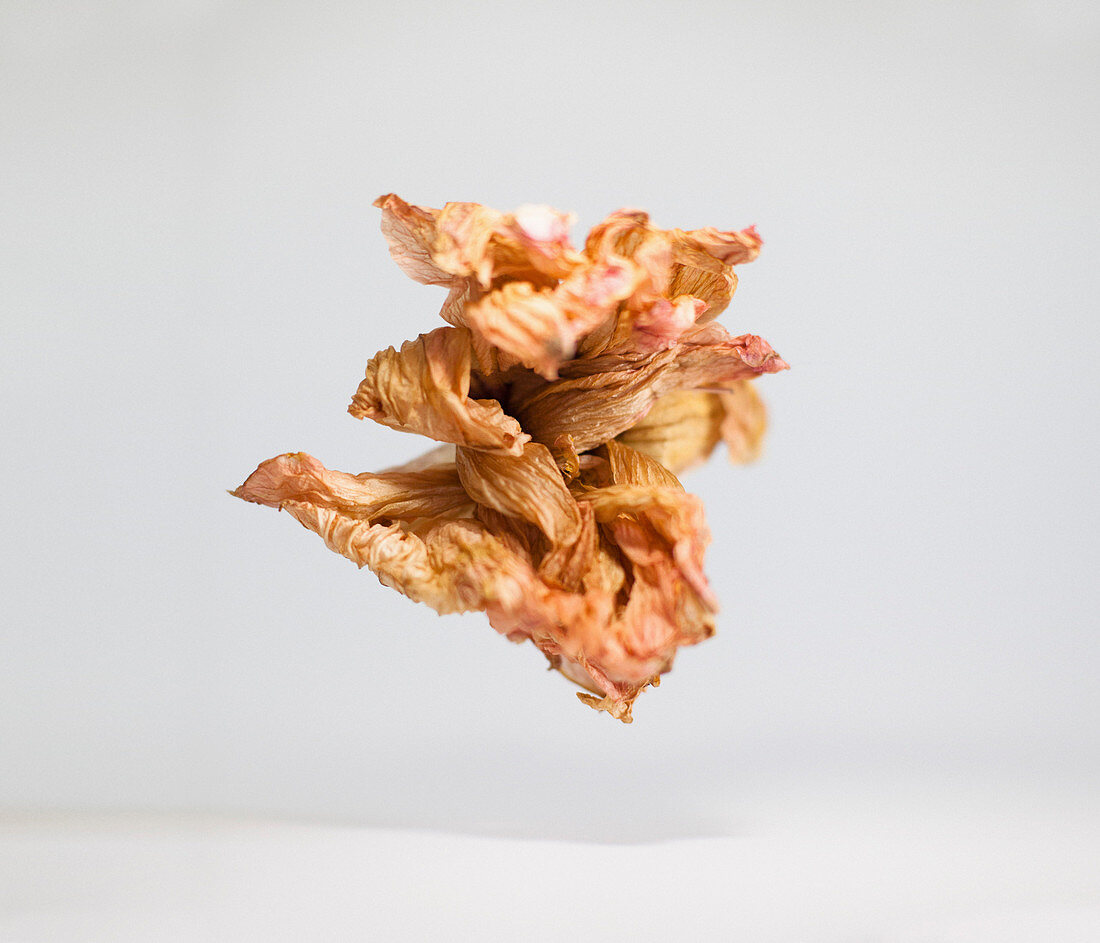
193 280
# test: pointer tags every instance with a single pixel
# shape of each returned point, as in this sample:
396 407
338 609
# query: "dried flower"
569 386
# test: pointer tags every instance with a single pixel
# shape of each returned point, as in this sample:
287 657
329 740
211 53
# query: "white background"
192 280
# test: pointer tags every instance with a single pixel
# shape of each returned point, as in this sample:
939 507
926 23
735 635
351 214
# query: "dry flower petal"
403 494
627 466
529 487
744 422
411 231
424 388
682 428
597 399
540 327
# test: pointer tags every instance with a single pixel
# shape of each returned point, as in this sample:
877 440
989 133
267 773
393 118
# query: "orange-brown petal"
424 388
528 486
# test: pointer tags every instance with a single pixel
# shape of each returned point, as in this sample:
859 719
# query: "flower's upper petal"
411 233
540 328
424 388
468 241
675 266
713 249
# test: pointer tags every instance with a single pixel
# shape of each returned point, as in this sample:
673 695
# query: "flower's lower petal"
628 466
424 388
401 494
452 566
568 564
528 486
655 527
412 529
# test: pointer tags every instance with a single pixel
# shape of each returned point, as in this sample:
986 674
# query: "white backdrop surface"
192 280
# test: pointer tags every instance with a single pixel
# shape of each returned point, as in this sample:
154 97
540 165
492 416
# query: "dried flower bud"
569 387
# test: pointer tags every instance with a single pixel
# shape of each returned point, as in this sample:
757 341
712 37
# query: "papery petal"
435 491
566 458
714 289
664 322
629 234
703 264
463 233
616 651
682 428
627 466
744 422
568 563
529 487
452 566
464 292
471 241
411 233
540 327
599 398
424 388
655 523
675 263
712 249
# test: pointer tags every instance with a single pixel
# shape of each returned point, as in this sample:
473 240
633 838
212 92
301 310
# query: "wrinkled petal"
435 491
656 522
664 322
675 265
528 486
744 422
469 241
452 566
627 466
411 232
712 249
682 428
424 388
540 327
617 653
703 267
597 399
569 565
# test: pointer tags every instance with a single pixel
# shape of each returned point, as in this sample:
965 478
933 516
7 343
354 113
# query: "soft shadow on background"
194 279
